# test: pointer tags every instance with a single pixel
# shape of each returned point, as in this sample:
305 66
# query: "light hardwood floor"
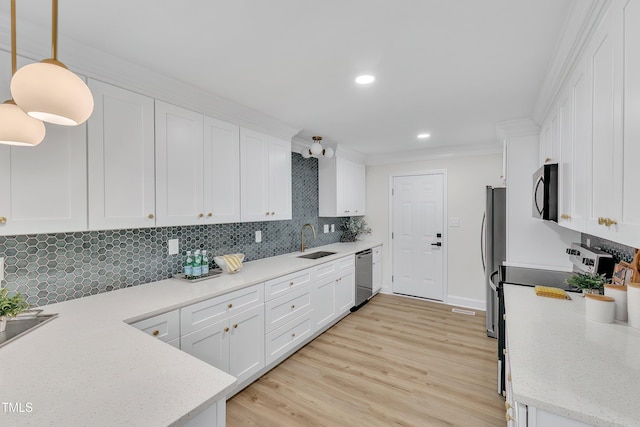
396 362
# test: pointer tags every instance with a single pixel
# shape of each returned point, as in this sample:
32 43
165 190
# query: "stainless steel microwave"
545 193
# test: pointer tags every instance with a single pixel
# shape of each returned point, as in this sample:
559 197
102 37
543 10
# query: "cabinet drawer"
326 269
165 327
347 262
377 253
281 310
282 285
207 312
288 337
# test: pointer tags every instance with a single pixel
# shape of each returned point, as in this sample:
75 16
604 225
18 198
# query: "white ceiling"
452 68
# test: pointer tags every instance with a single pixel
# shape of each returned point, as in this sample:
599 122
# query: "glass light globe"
328 152
305 153
17 128
48 91
316 149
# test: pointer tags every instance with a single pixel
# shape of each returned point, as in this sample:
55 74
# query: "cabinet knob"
601 220
226 329
293 334
273 213
3 220
609 222
293 307
507 405
209 215
547 159
235 326
229 305
201 215
508 417
267 213
155 333
150 216
290 283
565 216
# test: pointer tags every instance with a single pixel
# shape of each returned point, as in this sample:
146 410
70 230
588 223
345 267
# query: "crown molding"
435 153
92 63
517 127
579 26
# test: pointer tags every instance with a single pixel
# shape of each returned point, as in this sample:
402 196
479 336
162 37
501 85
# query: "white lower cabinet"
377 270
288 337
281 310
323 296
227 331
333 294
165 327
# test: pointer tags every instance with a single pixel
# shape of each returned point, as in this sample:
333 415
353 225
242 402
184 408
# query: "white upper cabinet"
265 177
121 159
341 187
43 189
197 168
221 171
179 166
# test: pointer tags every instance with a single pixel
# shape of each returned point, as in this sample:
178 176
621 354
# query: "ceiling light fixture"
365 79
423 136
16 127
48 91
316 150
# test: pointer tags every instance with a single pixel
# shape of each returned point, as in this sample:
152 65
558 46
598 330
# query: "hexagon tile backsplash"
62 266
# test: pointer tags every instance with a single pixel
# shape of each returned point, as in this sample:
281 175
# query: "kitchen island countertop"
563 363
89 367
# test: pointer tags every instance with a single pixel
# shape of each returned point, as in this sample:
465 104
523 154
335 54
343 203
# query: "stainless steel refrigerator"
494 250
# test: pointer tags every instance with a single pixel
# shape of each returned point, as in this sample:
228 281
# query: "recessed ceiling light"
423 136
365 79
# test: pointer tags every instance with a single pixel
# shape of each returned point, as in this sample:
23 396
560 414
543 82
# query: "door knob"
437 244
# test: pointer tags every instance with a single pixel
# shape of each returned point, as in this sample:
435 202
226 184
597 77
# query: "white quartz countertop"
89 367
566 364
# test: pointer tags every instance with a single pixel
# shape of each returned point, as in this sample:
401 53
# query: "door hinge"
392 278
392 234
392 191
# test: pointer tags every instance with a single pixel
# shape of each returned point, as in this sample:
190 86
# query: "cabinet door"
246 350
221 171
43 189
606 125
344 185
345 292
377 276
565 175
209 344
323 302
121 159
358 181
254 182
279 179
179 166
629 231
580 92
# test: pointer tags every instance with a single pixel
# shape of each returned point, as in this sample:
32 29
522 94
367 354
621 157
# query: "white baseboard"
467 302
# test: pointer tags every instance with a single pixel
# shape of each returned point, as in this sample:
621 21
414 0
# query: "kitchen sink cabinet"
341 187
197 168
43 189
121 159
265 168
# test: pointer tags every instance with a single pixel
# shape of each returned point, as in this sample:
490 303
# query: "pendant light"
16 127
316 150
48 91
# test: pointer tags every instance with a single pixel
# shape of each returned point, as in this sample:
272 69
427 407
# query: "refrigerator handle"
483 248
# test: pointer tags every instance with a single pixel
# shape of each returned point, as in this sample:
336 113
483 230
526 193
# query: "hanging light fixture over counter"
16 127
48 91
316 150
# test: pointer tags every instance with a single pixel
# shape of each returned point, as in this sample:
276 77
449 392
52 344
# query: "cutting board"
634 266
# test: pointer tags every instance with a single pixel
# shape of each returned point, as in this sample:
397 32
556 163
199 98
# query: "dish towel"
233 262
549 292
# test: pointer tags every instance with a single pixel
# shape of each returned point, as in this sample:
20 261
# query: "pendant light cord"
13 37
54 30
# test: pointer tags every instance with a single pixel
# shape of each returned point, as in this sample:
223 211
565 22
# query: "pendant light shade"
48 91
17 128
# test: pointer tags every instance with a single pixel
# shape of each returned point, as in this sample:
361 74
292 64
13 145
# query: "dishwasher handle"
363 253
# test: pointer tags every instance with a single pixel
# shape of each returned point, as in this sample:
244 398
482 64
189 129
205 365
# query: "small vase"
3 323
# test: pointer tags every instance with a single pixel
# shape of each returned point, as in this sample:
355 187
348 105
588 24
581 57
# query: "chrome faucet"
302 247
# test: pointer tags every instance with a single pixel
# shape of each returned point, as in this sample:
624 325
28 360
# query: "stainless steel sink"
23 324
316 255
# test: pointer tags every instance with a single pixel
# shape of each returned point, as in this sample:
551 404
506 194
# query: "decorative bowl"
220 262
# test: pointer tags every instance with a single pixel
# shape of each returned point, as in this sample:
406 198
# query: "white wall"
467 178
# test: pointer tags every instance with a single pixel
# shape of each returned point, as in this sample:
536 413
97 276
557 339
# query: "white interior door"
418 244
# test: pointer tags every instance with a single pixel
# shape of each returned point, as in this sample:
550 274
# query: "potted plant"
352 228
10 306
589 283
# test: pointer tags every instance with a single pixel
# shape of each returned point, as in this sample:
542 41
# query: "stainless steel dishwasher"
364 277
